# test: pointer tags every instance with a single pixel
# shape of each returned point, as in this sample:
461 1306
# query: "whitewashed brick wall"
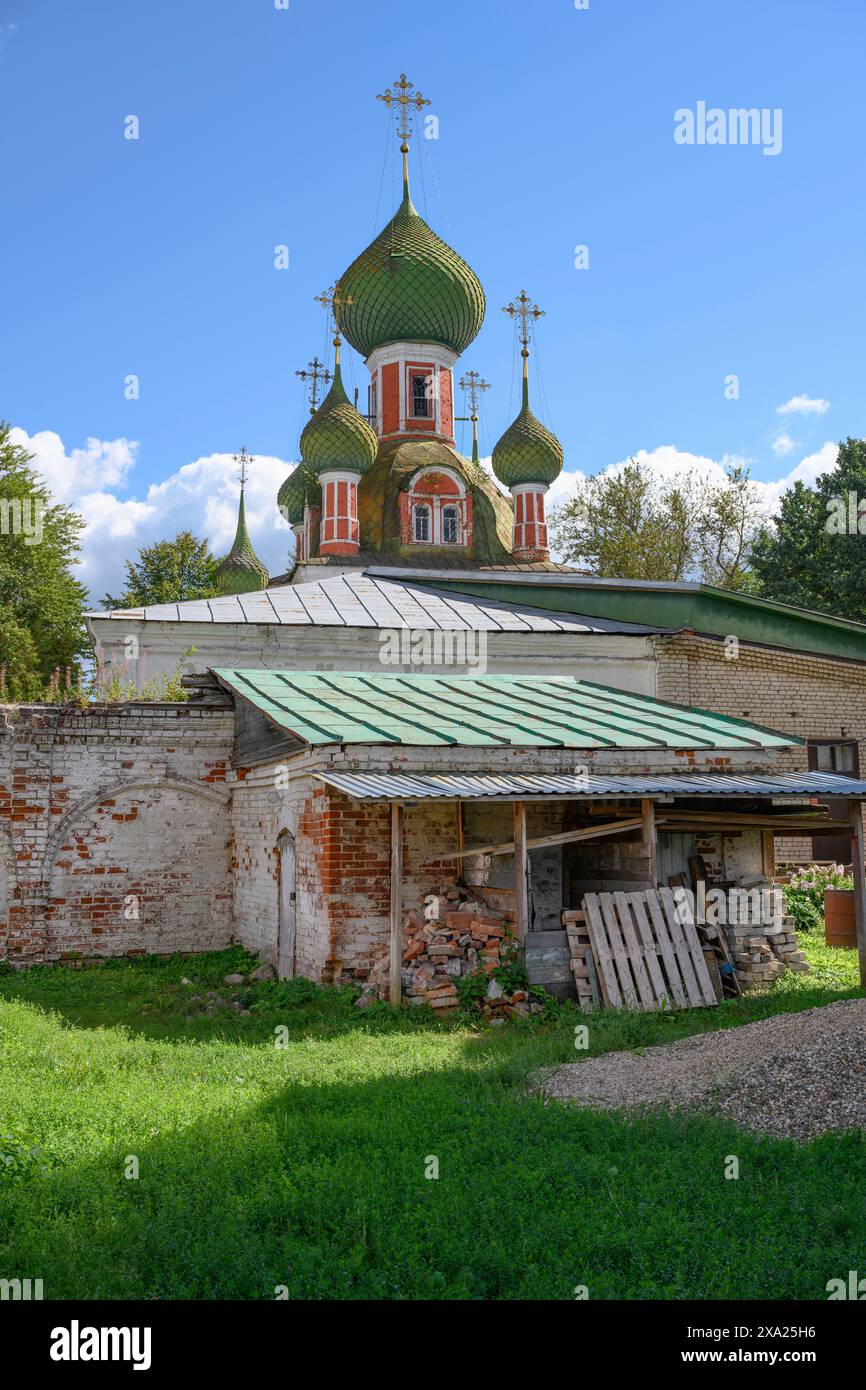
109 811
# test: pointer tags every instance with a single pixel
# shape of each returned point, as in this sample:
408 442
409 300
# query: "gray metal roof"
467 786
360 600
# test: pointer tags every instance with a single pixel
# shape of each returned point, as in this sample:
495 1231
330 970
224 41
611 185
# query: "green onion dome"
409 286
527 452
241 571
301 487
338 436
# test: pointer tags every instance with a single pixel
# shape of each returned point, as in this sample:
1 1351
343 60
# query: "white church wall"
625 662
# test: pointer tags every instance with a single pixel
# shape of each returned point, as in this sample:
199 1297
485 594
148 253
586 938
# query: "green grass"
304 1165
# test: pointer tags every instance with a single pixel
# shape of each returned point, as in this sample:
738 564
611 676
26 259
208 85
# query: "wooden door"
286 933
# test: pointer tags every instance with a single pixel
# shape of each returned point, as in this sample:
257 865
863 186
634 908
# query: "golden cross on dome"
314 372
473 384
403 96
522 308
243 459
333 300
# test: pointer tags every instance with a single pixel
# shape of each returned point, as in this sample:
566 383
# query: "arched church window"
421 523
450 526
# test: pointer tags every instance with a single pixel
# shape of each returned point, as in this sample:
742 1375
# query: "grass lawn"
304 1165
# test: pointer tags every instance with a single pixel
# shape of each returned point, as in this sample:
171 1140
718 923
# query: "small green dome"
527 452
241 571
409 286
338 436
301 487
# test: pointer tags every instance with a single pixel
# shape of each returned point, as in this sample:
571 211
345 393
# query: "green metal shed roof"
475 711
661 604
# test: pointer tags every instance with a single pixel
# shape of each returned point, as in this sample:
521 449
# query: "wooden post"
858 854
460 840
521 905
768 853
648 816
396 901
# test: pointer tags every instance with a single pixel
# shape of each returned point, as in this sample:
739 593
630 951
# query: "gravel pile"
792 1076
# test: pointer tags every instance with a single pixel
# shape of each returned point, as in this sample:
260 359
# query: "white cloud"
807 471
100 464
803 405
201 497
783 444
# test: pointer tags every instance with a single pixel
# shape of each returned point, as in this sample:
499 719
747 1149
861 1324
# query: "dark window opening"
842 758
421 397
421 530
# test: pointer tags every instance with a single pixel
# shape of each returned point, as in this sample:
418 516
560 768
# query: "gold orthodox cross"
314 372
523 309
473 384
243 459
403 97
334 301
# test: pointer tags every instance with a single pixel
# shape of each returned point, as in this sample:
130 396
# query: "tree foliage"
815 554
630 524
41 602
168 572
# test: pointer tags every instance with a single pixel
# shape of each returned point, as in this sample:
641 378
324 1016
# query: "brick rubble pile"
455 932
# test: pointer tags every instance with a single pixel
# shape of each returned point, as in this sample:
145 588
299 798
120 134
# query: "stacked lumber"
719 961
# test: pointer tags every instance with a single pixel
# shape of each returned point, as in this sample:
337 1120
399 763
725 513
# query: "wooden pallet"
645 957
582 962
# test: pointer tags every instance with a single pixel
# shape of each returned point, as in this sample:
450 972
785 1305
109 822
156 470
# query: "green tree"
630 524
168 572
815 554
730 521
41 603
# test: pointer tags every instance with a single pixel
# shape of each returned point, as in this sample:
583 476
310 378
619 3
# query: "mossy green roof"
338 436
241 571
410 286
302 486
379 505
527 452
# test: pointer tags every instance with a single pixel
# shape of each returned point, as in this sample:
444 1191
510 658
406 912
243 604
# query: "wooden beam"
648 829
748 818
794 815
396 902
590 832
521 903
858 854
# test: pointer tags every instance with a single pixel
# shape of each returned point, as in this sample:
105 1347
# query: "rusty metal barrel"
840 928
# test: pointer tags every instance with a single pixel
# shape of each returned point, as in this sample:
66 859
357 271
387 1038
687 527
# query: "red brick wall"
390 398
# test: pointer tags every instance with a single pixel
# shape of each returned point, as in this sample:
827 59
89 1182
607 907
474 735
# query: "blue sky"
259 126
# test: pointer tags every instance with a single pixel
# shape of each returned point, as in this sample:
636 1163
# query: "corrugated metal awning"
482 786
